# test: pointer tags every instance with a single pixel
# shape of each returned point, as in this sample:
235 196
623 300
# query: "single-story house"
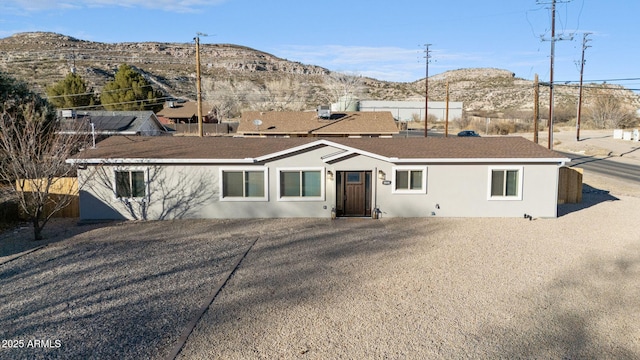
106 123
316 124
184 112
223 177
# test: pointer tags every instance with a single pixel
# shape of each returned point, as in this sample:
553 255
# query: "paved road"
613 166
420 133
623 163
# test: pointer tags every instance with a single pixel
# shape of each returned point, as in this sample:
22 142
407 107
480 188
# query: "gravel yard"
351 288
565 288
436 288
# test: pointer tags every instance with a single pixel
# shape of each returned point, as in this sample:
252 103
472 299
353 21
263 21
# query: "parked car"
468 133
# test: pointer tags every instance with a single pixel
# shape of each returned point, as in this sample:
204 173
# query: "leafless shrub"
607 110
163 199
33 156
502 127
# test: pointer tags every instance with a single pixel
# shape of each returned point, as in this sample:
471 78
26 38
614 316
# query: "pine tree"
15 93
70 93
130 91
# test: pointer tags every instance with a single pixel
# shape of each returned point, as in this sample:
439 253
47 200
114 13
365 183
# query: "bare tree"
33 156
607 110
229 98
284 93
225 97
345 89
163 199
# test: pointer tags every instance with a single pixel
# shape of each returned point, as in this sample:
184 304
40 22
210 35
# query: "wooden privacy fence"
67 186
570 185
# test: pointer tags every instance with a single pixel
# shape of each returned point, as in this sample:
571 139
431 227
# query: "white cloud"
166 5
384 63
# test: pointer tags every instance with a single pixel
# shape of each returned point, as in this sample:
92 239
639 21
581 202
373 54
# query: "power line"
95 93
102 106
602 80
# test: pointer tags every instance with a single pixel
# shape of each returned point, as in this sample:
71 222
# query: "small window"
300 184
243 184
410 180
353 178
505 183
130 184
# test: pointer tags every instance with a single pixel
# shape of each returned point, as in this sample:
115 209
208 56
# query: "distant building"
184 112
323 123
407 110
107 123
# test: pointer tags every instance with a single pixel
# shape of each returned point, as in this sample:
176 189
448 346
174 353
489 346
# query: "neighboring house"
223 177
316 124
107 123
184 113
182 118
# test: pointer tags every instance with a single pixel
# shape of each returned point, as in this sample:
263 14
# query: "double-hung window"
505 183
300 184
243 184
130 184
409 180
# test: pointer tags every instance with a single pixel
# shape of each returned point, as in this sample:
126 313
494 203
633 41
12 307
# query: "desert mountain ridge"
43 58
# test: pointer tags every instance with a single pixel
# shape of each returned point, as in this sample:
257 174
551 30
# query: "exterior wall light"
329 175
381 175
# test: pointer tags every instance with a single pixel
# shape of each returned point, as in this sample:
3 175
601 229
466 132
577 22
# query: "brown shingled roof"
307 123
226 148
184 111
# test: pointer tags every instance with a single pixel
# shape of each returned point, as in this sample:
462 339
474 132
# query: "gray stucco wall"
192 191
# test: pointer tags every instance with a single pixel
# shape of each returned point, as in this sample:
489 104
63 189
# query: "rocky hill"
41 59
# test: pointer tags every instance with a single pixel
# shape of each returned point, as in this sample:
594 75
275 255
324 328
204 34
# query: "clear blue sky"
380 39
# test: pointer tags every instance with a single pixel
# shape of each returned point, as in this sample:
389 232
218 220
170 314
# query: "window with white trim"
505 183
410 180
243 184
130 184
301 184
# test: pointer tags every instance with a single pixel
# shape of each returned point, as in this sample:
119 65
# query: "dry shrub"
523 127
502 127
463 122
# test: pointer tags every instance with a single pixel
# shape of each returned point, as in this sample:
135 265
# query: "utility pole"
553 48
584 47
536 108
426 87
446 116
199 84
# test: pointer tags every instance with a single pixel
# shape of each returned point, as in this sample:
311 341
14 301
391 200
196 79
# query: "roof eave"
481 160
98 161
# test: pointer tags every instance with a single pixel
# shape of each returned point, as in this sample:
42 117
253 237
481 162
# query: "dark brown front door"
356 190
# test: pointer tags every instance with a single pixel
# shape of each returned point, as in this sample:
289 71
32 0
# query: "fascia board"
293 150
352 152
98 161
483 160
348 151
